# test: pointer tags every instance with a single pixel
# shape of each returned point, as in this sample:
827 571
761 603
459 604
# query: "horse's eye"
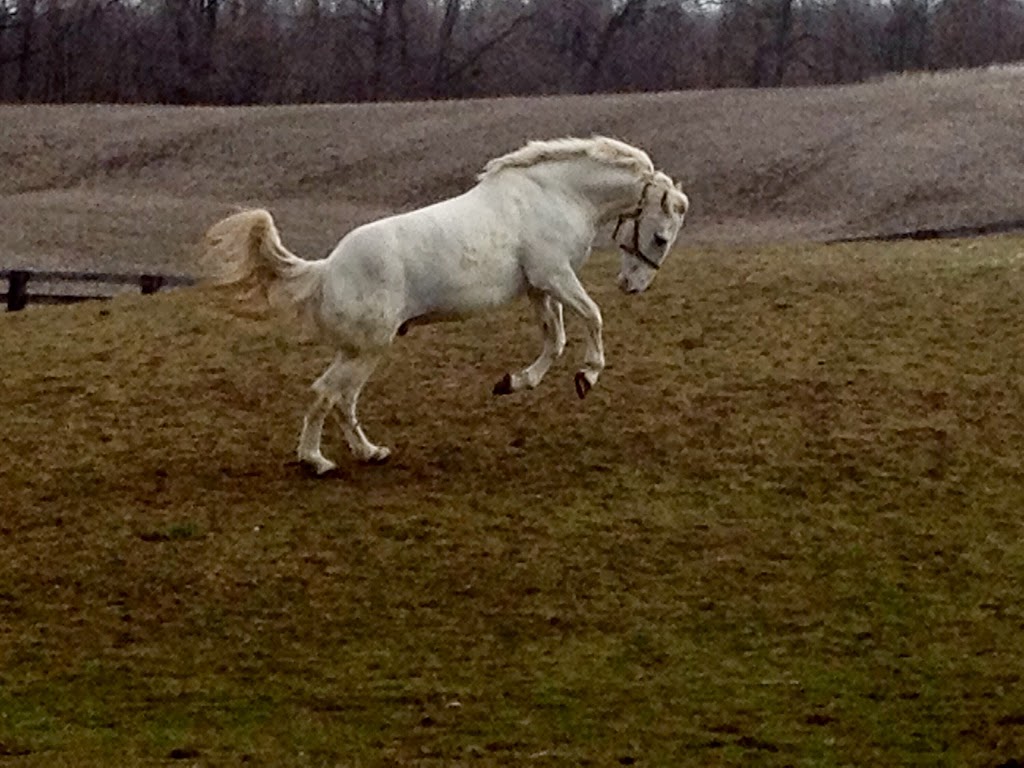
660 241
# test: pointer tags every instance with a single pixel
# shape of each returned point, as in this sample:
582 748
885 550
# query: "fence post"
17 289
150 283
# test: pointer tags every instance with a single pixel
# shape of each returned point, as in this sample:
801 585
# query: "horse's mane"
599 148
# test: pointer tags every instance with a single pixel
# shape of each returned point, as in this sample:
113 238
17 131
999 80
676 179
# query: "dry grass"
784 529
134 186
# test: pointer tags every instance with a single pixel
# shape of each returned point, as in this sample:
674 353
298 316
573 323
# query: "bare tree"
846 41
907 34
623 14
247 51
664 48
442 61
494 25
738 51
390 45
26 15
788 43
977 32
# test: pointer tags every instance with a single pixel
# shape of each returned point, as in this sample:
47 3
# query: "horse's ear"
679 186
664 203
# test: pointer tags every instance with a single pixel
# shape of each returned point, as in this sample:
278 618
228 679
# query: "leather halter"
633 248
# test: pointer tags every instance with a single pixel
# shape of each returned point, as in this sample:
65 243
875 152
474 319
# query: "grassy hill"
136 186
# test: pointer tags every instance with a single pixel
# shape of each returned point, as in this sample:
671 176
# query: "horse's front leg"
565 287
552 325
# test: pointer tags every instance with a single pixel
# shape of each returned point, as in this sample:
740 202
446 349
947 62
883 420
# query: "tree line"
288 51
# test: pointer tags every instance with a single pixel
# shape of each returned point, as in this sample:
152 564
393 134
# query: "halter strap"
633 249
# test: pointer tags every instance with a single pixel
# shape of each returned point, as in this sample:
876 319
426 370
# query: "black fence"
53 284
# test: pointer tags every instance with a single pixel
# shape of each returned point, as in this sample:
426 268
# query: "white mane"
599 148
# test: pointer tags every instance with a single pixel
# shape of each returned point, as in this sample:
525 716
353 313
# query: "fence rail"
18 280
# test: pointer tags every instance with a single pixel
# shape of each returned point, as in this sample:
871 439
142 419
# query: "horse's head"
656 222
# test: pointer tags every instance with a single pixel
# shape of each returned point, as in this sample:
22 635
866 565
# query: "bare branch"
477 53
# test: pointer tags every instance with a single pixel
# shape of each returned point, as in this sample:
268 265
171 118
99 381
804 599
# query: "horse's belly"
470 286
465 297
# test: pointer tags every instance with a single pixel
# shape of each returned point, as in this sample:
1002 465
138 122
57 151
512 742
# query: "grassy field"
785 529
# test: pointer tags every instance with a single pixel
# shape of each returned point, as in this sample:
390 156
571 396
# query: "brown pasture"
784 529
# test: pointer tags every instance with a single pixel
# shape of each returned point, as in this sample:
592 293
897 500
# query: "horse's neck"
607 190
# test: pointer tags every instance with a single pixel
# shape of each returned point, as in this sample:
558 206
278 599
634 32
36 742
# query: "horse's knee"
325 386
318 408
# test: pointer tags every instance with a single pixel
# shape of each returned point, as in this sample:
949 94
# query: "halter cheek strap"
633 248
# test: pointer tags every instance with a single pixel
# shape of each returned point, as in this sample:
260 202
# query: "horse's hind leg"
359 373
340 385
326 389
549 315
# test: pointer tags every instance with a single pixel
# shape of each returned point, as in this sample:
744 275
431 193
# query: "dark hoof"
582 385
503 387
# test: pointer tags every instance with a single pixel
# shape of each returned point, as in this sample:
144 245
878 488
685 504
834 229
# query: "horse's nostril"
660 241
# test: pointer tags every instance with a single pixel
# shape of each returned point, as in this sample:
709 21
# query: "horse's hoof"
379 456
582 385
503 387
322 468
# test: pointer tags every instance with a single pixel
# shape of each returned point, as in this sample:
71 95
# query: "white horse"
526 227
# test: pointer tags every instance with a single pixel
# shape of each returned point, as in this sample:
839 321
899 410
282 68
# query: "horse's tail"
244 251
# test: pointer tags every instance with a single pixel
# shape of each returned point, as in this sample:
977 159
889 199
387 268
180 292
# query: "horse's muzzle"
626 287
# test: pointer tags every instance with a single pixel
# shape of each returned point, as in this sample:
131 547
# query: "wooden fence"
18 281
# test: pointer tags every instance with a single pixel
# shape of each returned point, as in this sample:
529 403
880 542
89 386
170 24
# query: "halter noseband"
633 248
